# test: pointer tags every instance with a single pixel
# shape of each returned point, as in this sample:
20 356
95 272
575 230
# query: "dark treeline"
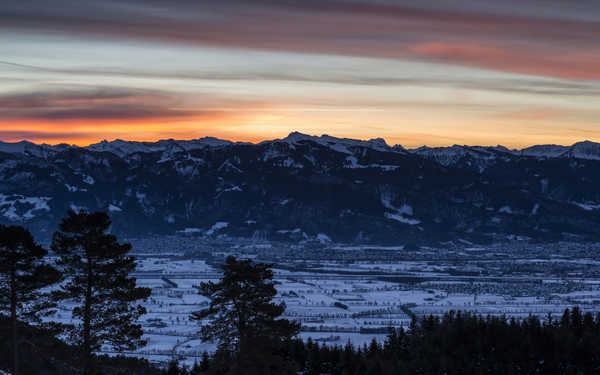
41 353
457 343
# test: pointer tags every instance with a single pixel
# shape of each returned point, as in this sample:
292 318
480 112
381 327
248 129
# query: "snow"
451 155
405 209
401 219
113 208
217 226
190 230
535 209
323 238
352 162
585 150
398 214
444 155
88 180
8 206
140 197
228 166
286 231
228 190
342 145
74 189
588 206
29 148
310 296
549 151
77 208
123 148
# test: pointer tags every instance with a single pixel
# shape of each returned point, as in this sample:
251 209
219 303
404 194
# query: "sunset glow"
436 73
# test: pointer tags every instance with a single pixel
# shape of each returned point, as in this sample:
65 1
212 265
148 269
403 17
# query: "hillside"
309 188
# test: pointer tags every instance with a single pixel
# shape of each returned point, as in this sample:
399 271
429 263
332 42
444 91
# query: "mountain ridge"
582 149
308 188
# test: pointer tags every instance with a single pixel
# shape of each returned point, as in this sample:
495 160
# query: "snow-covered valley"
342 293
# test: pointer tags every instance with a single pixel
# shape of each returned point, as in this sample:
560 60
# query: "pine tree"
243 316
204 362
173 368
22 275
98 267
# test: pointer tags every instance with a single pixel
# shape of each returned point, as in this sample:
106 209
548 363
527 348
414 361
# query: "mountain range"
309 188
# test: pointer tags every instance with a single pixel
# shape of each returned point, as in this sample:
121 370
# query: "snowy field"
354 299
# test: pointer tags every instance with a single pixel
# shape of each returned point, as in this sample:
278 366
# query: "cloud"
563 45
432 51
37 135
543 62
95 104
82 115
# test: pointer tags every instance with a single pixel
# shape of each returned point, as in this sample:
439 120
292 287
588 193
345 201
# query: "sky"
426 72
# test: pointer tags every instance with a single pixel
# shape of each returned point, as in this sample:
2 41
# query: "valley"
342 293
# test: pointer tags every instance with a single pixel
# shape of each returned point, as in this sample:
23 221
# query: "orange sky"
436 73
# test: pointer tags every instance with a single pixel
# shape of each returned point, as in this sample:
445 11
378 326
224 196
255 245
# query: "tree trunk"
13 321
87 347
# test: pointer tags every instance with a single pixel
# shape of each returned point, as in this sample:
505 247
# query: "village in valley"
348 293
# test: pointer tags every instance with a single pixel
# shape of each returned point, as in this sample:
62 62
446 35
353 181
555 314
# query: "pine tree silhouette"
22 275
244 318
97 267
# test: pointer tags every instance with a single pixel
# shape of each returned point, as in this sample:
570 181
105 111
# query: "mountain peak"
339 144
585 150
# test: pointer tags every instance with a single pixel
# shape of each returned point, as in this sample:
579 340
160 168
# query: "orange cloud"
539 62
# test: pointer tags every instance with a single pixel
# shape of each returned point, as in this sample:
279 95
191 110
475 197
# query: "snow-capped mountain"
123 148
580 150
305 187
338 144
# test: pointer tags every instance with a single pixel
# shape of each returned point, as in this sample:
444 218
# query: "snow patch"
588 206
402 219
140 197
88 180
286 231
10 205
190 230
405 209
113 208
535 209
217 226
73 189
323 238
228 166
398 214
228 190
77 208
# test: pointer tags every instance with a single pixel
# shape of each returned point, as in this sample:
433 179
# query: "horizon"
99 141
434 73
